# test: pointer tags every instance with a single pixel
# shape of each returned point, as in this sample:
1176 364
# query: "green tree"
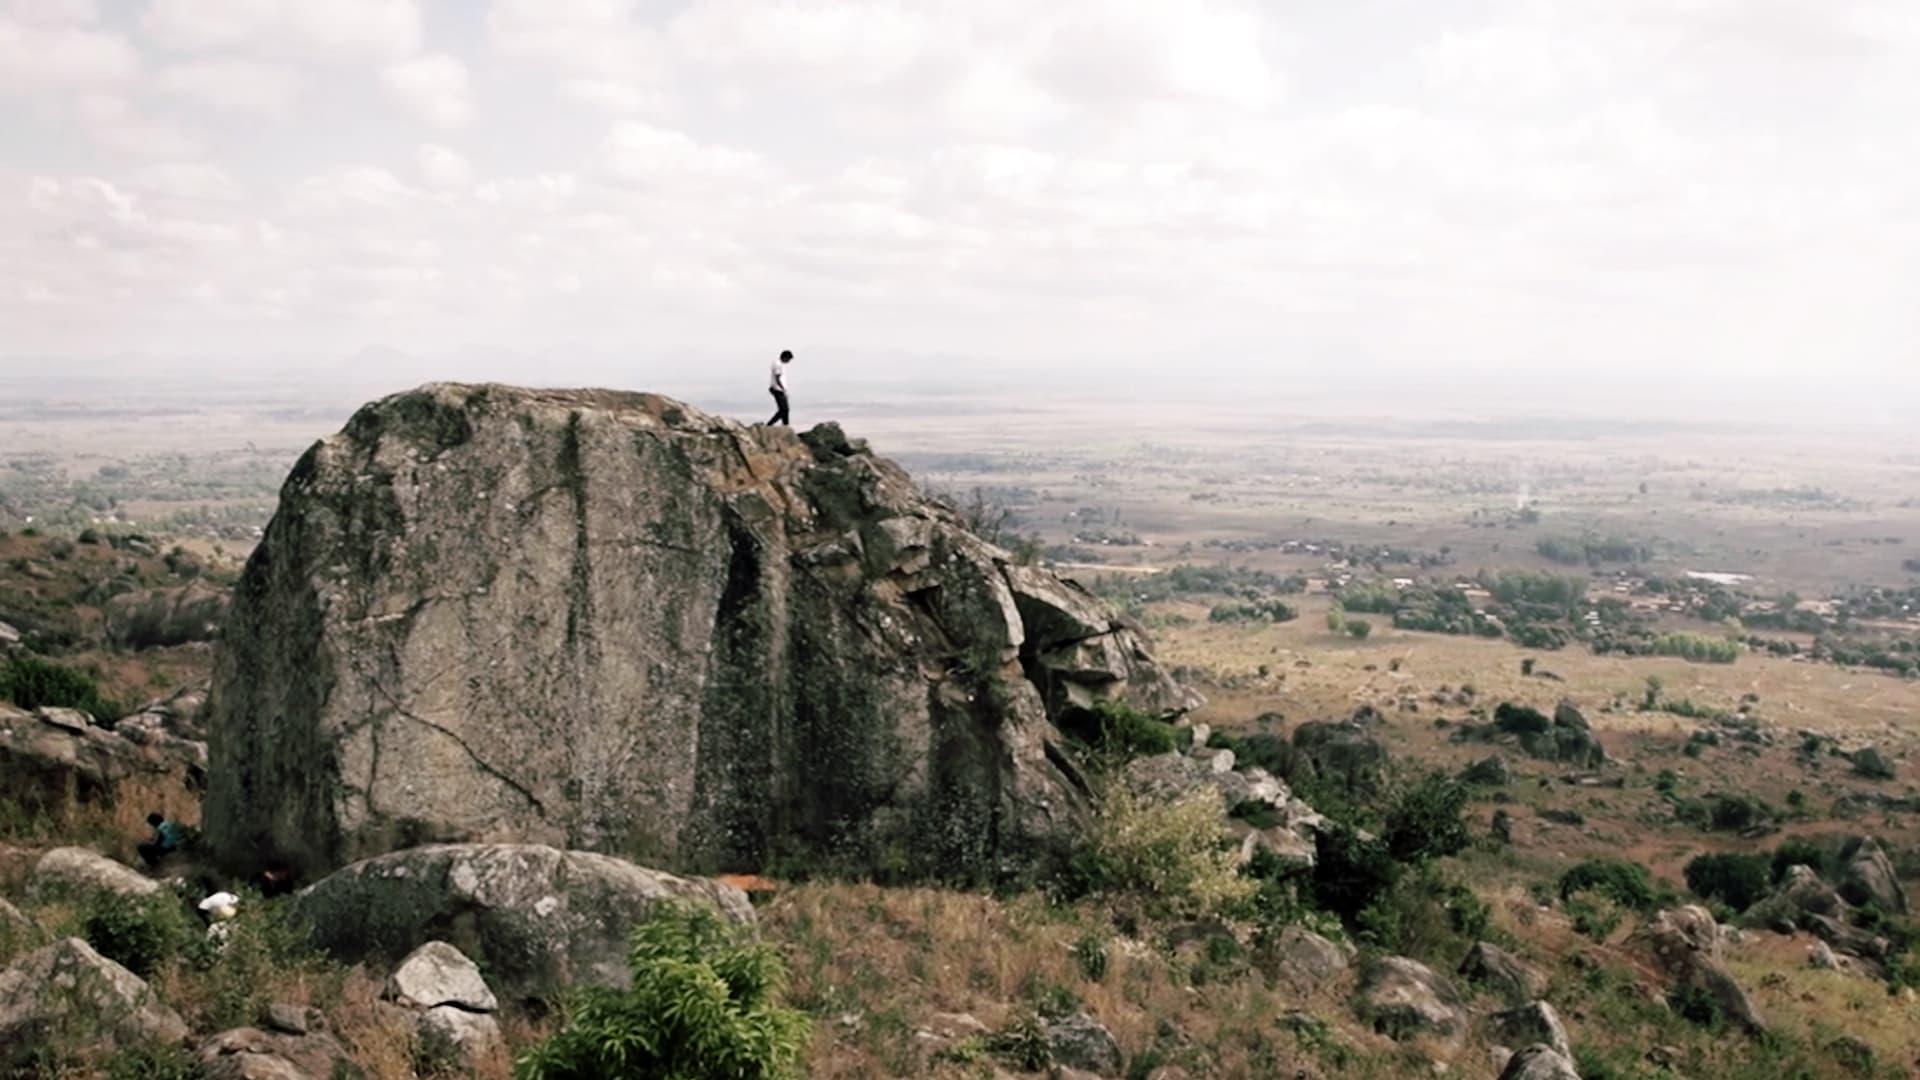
703 1006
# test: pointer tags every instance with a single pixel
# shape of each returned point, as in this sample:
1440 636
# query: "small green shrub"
1425 915
1023 1044
1359 629
156 1062
704 1003
1112 729
33 683
1739 881
1795 851
1521 719
1426 821
1090 952
1622 881
138 933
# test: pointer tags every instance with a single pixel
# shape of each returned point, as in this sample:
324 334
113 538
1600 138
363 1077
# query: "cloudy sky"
1640 186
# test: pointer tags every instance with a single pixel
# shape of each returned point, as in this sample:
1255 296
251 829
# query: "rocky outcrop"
537 918
1867 878
439 974
1405 999
1503 973
67 992
1306 959
176 615
73 871
58 759
1685 943
608 621
254 1054
1342 753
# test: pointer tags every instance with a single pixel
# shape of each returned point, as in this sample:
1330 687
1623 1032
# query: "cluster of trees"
1592 550
1274 611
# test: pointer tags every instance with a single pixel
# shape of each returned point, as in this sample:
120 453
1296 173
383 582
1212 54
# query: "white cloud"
40 54
188 180
643 154
232 85
601 52
433 87
114 122
340 29
443 168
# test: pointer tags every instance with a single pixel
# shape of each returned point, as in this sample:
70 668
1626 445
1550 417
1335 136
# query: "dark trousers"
152 851
779 407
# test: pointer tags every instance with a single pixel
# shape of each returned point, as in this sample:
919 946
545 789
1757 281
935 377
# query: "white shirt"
778 380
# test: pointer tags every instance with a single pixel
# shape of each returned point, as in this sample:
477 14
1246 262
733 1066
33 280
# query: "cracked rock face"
608 621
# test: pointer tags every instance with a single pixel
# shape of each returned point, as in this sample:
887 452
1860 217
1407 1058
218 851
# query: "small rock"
291 1019
439 974
1081 1042
471 1036
1539 1063
253 1054
1820 956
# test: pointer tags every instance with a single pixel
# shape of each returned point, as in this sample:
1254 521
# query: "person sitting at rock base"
166 839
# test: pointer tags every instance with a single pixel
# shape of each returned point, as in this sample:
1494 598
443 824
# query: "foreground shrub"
1425 915
1176 853
1738 881
1795 851
33 683
1622 881
704 1003
139 933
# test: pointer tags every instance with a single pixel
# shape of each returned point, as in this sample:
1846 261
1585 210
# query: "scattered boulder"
16 930
1081 1042
1820 957
1490 771
1565 737
1534 1022
1506 975
439 974
293 1019
1867 878
66 989
1404 999
1539 1062
175 615
9 637
1307 959
591 619
539 918
1685 943
253 1054
78 870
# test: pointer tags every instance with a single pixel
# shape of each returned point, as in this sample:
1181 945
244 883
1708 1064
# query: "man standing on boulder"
777 386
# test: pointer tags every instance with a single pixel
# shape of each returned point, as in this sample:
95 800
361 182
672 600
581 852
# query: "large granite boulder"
538 919
1503 973
71 871
66 993
1686 944
1539 1062
174 615
608 621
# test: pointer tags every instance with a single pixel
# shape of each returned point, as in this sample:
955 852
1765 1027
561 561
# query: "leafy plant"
1176 853
704 1003
33 683
1426 821
1739 881
1622 881
1350 871
139 933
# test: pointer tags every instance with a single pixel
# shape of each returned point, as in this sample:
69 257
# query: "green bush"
1358 629
1426 821
1424 915
242 966
33 683
1795 851
1350 871
1739 881
703 1003
1110 728
138 933
1622 881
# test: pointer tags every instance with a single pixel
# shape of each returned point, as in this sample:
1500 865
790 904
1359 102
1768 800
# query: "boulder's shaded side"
166 616
539 919
609 621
